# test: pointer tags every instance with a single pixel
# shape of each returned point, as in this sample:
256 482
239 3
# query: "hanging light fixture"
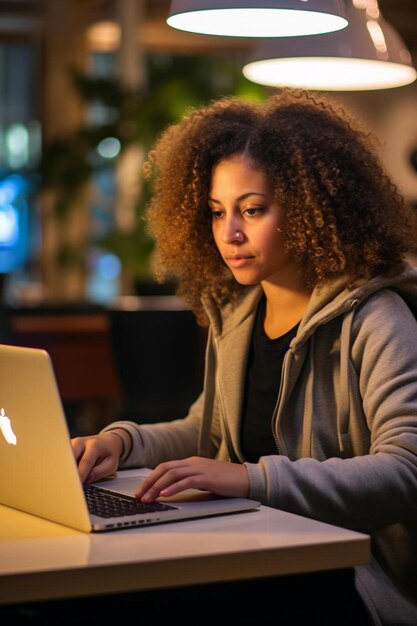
257 18
368 54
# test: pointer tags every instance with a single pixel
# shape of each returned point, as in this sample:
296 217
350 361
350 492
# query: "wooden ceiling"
402 14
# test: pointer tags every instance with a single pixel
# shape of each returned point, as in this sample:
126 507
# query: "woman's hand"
97 455
219 477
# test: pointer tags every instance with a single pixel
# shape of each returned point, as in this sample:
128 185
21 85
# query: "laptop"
39 473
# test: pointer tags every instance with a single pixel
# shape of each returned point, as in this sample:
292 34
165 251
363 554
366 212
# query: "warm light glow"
370 6
377 37
329 73
104 37
253 22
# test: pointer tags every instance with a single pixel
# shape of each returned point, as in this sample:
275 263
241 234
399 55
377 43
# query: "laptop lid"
38 468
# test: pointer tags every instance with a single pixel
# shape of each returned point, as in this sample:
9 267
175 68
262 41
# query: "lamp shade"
257 18
368 54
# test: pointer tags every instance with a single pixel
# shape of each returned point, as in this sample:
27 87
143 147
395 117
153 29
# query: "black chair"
159 353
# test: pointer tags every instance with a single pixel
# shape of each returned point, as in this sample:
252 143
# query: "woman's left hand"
219 477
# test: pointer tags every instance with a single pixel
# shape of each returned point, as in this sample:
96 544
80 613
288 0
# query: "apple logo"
6 428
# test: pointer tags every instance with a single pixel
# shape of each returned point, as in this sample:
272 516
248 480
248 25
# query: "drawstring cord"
309 393
209 393
343 413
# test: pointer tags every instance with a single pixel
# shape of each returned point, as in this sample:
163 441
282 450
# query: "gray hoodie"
345 424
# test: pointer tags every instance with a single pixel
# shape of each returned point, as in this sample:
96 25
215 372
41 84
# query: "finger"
78 448
156 475
101 470
169 480
190 482
86 464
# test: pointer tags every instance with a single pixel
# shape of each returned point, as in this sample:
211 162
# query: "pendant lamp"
369 54
257 18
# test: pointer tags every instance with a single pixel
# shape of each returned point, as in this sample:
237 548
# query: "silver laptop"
39 473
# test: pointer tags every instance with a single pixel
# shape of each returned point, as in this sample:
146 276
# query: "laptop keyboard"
105 503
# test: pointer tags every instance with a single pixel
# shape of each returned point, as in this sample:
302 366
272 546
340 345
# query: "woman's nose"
232 233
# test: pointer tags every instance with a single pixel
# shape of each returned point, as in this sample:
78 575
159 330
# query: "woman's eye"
252 211
216 215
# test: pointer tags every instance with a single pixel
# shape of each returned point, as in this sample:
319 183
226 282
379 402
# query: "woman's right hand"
97 456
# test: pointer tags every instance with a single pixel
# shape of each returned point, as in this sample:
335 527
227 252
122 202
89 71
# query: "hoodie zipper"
348 306
274 421
226 428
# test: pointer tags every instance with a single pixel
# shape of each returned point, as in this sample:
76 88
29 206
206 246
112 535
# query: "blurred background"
85 88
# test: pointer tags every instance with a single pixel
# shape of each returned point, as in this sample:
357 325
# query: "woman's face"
246 223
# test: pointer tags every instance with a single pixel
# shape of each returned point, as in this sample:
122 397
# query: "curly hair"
343 214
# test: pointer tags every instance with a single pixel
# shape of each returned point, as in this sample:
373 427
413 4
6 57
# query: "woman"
290 241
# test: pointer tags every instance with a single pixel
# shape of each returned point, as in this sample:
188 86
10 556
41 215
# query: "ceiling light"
369 54
257 18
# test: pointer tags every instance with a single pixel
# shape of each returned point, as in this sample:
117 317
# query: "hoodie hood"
334 298
327 302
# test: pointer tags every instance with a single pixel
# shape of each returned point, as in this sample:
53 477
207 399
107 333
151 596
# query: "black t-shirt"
263 377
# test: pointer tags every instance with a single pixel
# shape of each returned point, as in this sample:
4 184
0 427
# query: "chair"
158 351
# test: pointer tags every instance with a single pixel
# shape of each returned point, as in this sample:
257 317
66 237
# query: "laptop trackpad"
129 484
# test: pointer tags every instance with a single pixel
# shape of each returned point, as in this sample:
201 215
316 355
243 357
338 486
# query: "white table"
41 560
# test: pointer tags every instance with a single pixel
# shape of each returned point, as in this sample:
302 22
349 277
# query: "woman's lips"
239 260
